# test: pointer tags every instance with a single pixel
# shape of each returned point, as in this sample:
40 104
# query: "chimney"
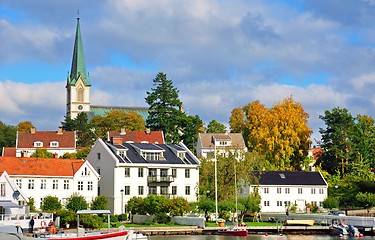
32 130
59 131
117 140
123 132
148 131
55 155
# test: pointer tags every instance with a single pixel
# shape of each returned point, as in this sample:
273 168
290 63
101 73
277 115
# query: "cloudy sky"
219 54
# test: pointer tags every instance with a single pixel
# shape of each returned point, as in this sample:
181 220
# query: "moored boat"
299 222
235 231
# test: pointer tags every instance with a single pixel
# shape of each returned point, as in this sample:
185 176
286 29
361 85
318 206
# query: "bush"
114 218
162 218
122 217
313 209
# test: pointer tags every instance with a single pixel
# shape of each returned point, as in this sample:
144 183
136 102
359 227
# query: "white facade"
12 199
78 98
84 182
121 181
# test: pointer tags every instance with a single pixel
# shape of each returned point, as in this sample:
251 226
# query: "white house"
57 142
222 142
12 199
139 169
281 189
40 177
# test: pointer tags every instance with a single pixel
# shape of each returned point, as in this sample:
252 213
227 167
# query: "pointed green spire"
78 61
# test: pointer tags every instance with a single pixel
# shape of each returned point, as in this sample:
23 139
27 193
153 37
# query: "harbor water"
254 237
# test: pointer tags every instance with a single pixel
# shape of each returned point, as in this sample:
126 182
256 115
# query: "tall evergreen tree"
215 127
165 109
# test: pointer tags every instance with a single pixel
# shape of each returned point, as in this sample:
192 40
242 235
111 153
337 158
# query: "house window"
151 156
31 184
174 172
127 172
279 203
140 190
127 190
187 173
174 190
98 156
121 154
43 184
164 190
53 144
98 170
80 185
152 172
55 184
187 190
38 144
19 183
266 203
279 190
66 184
140 172
85 172
89 185
299 190
287 203
2 189
321 191
181 155
314 203
287 190
266 190
312 190
41 203
152 190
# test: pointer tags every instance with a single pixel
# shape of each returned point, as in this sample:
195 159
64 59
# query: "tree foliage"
136 205
178 206
206 205
166 113
7 136
76 202
249 204
25 126
51 203
42 153
99 203
215 127
154 204
367 200
279 134
86 136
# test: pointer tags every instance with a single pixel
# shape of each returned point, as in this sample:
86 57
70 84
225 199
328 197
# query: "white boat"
133 235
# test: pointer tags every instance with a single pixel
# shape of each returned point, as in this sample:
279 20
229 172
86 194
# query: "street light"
122 201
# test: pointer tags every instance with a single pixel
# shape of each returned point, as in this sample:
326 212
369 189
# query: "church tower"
78 82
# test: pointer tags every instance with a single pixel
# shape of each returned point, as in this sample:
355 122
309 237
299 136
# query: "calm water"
253 237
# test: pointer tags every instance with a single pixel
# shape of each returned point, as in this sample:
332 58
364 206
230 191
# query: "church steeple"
78 82
78 62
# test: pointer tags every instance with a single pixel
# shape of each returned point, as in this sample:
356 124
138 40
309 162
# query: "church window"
80 95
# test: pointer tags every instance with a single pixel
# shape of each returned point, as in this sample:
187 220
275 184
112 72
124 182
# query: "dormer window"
38 144
121 154
181 155
151 156
54 144
223 143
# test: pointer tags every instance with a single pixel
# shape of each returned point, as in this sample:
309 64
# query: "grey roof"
291 178
132 155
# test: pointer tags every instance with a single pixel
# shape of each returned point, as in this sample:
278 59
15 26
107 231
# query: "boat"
299 222
343 230
234 231
133 235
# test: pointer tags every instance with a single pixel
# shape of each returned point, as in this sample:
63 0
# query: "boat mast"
235 189
216 211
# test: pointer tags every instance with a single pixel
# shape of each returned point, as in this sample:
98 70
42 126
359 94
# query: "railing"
22 220
156 179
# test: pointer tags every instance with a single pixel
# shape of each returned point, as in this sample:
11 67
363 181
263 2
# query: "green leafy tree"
7 136
178 206
42 153
136 205
215 127
367 200
331 202
82 126
79 154
51 203
99 203
192 126
31 204
206 205
76 202
156 204
249 204
164 108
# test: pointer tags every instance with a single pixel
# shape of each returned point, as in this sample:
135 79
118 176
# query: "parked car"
337 213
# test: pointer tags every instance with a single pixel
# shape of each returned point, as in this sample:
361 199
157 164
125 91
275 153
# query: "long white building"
138 169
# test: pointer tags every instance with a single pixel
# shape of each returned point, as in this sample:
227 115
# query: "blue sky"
219 54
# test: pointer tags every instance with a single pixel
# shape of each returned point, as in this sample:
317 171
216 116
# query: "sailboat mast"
216 210
235 188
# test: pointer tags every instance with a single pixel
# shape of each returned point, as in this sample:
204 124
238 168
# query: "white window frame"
38 144
54 144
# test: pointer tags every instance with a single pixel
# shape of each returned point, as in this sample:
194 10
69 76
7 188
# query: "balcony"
160 179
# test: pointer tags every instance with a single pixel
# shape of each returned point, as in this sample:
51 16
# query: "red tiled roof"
237 139
138 137
26 139
316 153
40 166
9 152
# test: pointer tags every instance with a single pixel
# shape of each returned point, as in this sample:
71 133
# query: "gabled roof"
102 110
26 139
40 166
9 152
138 137
207 139
288 178
133 156
78 62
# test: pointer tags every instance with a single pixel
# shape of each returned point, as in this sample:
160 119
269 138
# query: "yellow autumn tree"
279 134
25 126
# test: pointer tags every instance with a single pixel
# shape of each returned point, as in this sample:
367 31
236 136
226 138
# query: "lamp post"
122 201
216 210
